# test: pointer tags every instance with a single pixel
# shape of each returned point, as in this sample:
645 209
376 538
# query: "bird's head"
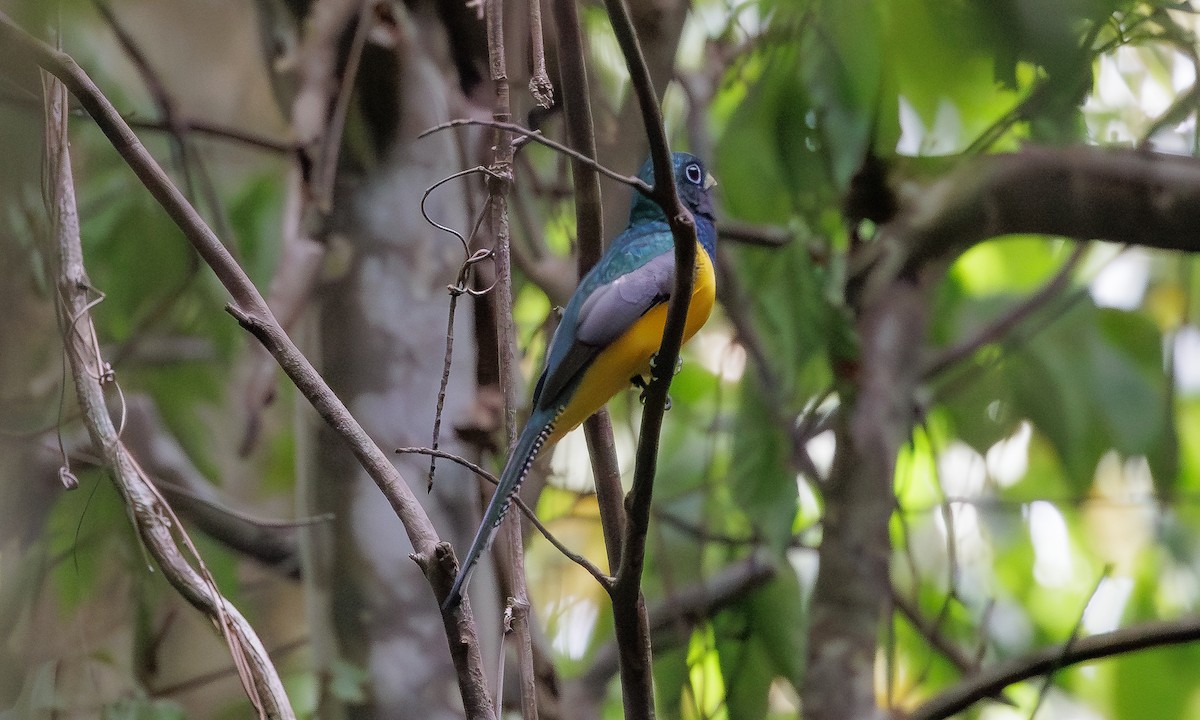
692 181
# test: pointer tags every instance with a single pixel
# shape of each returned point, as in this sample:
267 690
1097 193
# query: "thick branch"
852 583
1085 193
991 681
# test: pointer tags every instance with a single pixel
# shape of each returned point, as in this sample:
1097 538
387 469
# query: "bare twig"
527 511
770 236
539 84
542 140
331 136
687 605
193 125
1048 678
1162 633
1014 317
932 634
184 158
270 542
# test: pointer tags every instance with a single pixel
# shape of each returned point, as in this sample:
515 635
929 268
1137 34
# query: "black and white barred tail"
537 431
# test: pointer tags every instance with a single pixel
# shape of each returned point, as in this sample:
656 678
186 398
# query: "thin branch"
543 140
216 131
151 516
539 83
270 542
932 634
435 557
154 85
1048 678
331 136
249 138
184 158
207 678
602 449
771 236
527 511
1003 325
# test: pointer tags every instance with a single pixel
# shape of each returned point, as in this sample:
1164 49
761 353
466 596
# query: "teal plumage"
609 329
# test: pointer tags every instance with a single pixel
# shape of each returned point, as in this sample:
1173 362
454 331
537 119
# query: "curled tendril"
461 286
429 191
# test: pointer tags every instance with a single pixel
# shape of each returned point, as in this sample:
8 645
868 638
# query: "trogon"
609 332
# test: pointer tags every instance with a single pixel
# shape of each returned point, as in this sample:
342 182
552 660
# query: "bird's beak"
709 181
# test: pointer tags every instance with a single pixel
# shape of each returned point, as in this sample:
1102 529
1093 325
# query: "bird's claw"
642 396
678 363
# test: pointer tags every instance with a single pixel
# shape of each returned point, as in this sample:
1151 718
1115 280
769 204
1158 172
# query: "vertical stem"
629 607
499 183
589 224
852 585
539 83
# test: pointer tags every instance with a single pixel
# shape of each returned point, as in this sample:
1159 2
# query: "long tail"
532 438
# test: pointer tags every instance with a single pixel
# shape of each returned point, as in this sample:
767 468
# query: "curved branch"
1084 193
152 517
992 681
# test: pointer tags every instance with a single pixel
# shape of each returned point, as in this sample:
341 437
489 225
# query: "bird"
609 332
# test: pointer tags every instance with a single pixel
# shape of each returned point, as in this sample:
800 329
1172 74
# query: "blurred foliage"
1052 452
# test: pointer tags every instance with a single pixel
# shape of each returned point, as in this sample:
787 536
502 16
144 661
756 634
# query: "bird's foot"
642 395
678 363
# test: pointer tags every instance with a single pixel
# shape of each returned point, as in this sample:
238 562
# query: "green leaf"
843 71
670 674
935 70
795 323
770 158
1157 684
779 621
89 531
1090 381
747 673
762 484
1015 264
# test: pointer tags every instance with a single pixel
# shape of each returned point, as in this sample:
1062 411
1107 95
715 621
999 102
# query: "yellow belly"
629 355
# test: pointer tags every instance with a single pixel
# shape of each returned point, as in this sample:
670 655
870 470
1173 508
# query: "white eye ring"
694 174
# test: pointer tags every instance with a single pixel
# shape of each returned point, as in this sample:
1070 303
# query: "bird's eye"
694 174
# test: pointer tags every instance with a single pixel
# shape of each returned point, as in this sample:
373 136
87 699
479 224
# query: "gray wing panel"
613 308
555 380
